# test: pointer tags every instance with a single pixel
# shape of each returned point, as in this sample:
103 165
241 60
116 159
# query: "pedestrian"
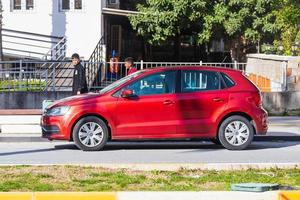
79 78
129 65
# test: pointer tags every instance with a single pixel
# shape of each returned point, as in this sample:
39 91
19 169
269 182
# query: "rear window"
198 80
228 81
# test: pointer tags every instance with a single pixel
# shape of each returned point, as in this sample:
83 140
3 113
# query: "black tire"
215 141
89 121
229 123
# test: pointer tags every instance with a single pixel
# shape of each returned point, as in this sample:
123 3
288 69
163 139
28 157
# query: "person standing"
129 65
79 78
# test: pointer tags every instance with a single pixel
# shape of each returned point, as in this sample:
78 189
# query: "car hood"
75 99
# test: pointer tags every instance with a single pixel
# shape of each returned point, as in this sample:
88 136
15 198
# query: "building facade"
27 23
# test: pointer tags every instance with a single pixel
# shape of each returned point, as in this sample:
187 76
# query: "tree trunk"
237 50
177 48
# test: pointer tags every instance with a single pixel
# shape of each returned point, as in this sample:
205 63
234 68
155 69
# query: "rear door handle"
168 102
218 99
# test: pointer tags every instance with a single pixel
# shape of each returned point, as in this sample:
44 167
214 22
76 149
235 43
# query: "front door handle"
168 102
218 99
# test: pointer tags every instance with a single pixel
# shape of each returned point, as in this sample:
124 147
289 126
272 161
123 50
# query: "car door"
201 100
150 113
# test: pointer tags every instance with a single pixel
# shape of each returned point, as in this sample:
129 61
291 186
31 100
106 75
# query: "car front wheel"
90 134
236 133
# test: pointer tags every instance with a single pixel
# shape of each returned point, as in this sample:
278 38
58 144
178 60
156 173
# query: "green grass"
26 85
74 178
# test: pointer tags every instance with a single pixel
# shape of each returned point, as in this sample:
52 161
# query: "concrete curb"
271 195
178 166
195 166
58 195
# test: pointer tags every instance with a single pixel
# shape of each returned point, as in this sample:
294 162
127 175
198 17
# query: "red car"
162 103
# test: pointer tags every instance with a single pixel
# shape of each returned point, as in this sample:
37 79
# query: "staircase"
33 46
95 68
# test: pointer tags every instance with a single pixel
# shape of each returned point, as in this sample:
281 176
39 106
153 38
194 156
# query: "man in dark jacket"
79 78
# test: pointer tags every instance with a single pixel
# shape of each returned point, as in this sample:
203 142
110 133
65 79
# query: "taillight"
256 99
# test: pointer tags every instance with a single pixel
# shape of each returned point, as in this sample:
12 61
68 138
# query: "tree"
243 22
288 21
163 20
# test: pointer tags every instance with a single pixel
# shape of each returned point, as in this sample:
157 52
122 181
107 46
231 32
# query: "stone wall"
28 100
280 102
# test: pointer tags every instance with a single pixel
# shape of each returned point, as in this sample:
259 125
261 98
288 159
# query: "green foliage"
288 21
160 20
241 22
245 19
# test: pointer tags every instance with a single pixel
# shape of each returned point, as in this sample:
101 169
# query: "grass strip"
75 178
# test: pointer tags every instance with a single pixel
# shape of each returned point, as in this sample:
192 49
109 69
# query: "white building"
32 27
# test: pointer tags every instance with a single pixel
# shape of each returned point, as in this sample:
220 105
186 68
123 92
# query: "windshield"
120 82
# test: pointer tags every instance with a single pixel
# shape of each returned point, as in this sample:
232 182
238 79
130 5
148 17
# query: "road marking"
289 195
16 196
75 196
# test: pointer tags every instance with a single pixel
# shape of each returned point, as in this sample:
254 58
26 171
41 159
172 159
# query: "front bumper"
54 128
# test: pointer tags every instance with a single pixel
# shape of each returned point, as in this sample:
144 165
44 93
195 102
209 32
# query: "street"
149 152
281 145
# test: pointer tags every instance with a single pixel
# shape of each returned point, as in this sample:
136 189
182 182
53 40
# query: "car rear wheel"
90 134
236 133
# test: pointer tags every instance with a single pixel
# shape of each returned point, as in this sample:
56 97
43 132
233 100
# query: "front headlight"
58 111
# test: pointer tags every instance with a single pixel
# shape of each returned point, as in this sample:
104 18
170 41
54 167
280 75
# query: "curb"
270 195
58 196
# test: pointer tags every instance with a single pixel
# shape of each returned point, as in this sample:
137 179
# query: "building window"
78 4
67 5
29 4
22 4
17 4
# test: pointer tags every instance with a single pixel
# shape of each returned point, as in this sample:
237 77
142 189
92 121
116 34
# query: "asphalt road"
149 152
282 149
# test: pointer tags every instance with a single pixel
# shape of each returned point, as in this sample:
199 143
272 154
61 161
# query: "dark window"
197 80
17 5
65 5
29 4
78 4
159 83
228 81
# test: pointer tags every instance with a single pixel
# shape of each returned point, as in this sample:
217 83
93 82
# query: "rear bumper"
260 122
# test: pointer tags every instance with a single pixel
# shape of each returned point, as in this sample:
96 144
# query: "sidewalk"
24 126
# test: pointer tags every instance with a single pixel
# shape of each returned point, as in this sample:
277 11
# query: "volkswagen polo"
162 103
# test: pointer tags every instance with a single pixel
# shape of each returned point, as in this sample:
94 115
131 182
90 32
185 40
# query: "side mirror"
127 94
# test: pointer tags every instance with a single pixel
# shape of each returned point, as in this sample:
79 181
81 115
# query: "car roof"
209 68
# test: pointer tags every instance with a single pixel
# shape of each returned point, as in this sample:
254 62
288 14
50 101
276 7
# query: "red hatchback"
162 103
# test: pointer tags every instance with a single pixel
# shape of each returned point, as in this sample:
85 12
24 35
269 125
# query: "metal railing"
112 71
27 75
94 70
32 45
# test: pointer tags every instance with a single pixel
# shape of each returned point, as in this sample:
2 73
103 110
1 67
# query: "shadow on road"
199 145
28 151
196 145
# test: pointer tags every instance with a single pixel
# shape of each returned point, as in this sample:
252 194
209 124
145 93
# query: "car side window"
198 80
228 81
159 83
